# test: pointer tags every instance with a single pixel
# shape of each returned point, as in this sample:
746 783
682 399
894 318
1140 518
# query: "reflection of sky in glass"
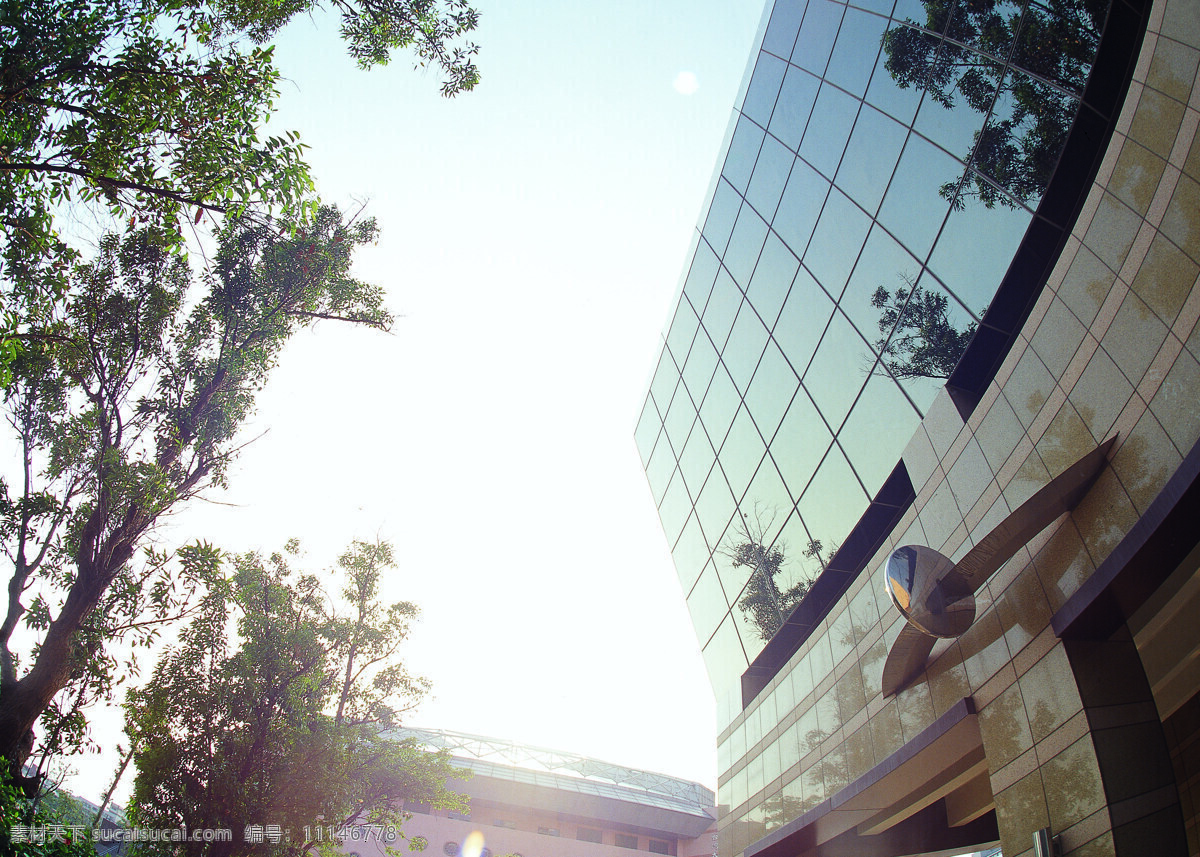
838 180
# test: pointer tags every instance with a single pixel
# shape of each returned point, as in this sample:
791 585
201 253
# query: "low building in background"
951 250
535 802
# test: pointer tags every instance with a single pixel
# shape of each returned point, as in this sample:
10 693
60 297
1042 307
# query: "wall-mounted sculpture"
937 595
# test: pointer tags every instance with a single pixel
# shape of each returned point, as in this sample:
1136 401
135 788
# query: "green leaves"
263 727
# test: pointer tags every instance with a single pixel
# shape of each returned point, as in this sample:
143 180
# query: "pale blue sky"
533 234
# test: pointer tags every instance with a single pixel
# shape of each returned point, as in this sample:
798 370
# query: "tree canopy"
125 402
917 337
1023 63
151 112
287 723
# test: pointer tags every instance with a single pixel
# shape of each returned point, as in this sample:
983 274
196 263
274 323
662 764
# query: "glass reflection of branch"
918 340
763 602
1026 64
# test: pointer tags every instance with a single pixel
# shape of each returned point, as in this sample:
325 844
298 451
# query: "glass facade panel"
745 244
915 208
675 507
764 88
715 507
721 215
772 278
743 152
781 32
696 460
803 198
817 34
771 390
741 453
690 554
722 309
700 277
836 373
837 110
683 330
746 344
836 242
706 603
802 322
698 371
800 443
770 176
973 269
883 265
647 431
796 98
833 502
871 156
850 65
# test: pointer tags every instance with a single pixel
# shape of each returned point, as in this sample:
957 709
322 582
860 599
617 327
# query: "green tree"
918 340
153 110
125 404
287 723
1050 48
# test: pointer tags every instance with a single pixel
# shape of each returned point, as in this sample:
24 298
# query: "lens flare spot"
473 845
686 83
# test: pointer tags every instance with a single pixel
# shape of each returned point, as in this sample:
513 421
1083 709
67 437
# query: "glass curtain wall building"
950 248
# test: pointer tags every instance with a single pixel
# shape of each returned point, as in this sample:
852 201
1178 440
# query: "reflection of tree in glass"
762 601
918 339
1055 42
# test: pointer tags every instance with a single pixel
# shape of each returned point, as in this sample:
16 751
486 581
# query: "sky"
533 236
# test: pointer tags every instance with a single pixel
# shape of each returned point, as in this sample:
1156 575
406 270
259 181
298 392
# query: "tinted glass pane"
1059 44
764 87
707 604
837 371
874 435
854 54
659 470
698 370
802 323
785 23
680 417
800 444
690 554
666 378
724 656
971 268
745 345
871 156
834 501
800 206
954 127
715 507
719 406
768 503
817 34
771 390
745 244
742 451
1021 143
647 431
721 215
696 460
990 27
836 242
682 331
886 265
743 151
914 207
823 145
886 93
772 279
766 186
722 309
796 98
